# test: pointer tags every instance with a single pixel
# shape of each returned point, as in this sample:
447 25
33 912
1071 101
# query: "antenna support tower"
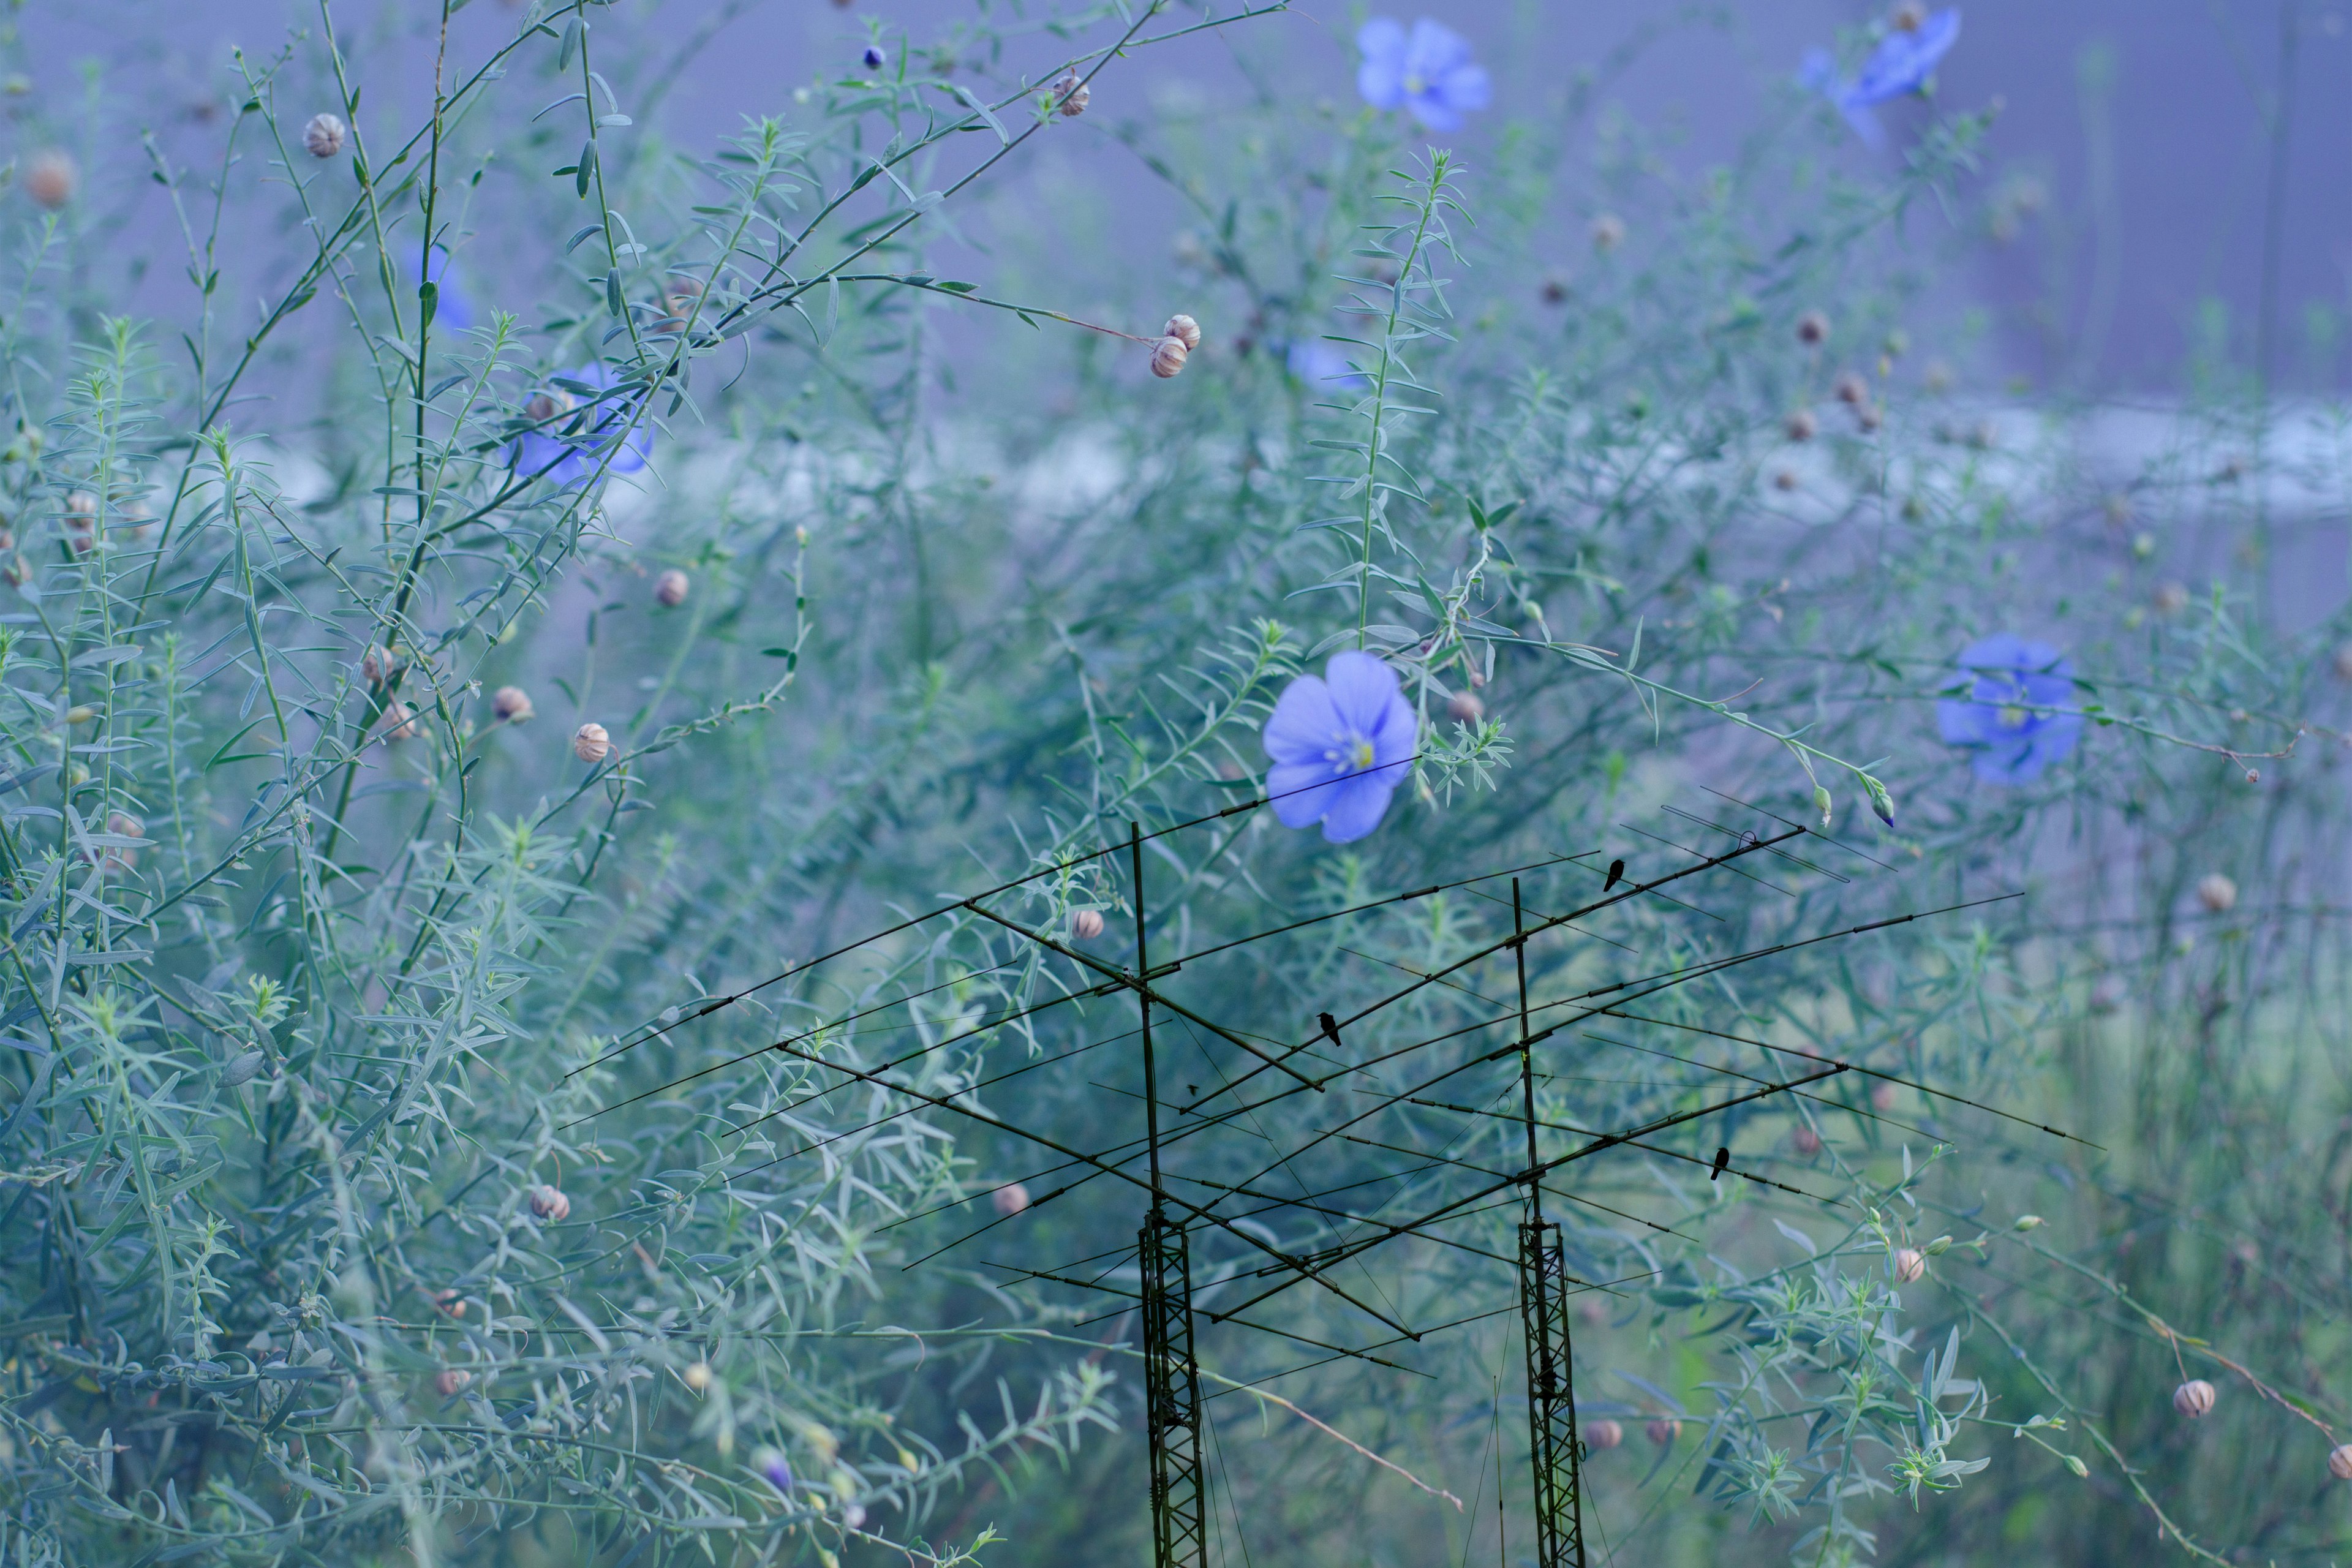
1172 1380
1551 1398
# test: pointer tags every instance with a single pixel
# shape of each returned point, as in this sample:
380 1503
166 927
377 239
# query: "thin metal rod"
1527 1058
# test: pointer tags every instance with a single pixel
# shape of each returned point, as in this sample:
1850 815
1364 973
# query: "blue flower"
1998 719
1902 63
1339 742
1429 71
1317 362
570 451
453 307
773 1465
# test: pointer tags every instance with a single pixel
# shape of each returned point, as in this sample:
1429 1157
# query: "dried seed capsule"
2216 893
669 588
511 705
1664 1431
449 1380
550 1204
1869 416
1851 389
2193 1399
1466 708
1812 327
1009 1199
51 178
1071 96
2339 1462
399 723
1910 1264
374 665
1604 1435
1185 327
1608 233
323 136
1801 426
1086 925
1167 356
590 743
1784 479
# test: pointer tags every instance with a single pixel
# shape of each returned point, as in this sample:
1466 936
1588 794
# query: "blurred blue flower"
773 1465
1428 71
1317 362
873 57
1996 720
454 307
570 451
1339 742
1902 63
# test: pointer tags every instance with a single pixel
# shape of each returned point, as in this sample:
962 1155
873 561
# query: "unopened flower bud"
1604 1435
1466 708
1608 233
1937 1247
697 1376
1167 356
872 58
590 743
51 178
323 136
80 713
1664 1431
1812 327
669 588
1086 925
1071 96
1800 425
2028 1222
1910 1264
2216 893
449 1380
1784 479
773 1465
550 1204
1009 1199
511 705
2194 1399
1184 327
1851 389
1822 803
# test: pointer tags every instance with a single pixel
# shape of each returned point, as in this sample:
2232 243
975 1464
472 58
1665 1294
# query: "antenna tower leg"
1551 1398
1173 1400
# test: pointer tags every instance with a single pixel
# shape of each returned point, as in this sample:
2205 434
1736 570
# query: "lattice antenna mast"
1171 1374
1554 1452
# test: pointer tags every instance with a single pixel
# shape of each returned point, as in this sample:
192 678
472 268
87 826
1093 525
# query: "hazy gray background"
2145 124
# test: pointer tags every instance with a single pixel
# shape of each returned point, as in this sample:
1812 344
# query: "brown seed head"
1466 708
1851 388
449 1380
1184 327
1910 1264
590 743
1907 18
1784 479
1086 925
1604 1435
51 178
1807 1142
511 705
550 1204
323 136
2339 1462
1882 1097
1071 96
399 723
2169 598
449 1303
1664 1431
1167 356
374 665
2194 1399
1801 426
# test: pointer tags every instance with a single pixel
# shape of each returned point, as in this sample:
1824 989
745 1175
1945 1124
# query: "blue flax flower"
1339 742
1902 63
570 451
1997 720
1428 71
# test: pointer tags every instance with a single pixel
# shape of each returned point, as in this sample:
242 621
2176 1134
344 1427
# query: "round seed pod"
1664 1431
2216 893
323 136
591 743
1009 1199
1185 327
1071 96
449 1380
550 1204
697 1376
511 705
1851 389
1608 233
51 178
1812 327
399 723
669 588
1807 1142
1167 356
1086 925
2193 1399
2339 1462
1466 707
1800 425
1910 1264
1604 1435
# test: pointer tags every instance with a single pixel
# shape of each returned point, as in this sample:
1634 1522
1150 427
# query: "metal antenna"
1555 1452
1171 1375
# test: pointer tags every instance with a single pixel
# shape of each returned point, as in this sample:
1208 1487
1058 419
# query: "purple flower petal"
1362 688
1303 724
1301 792
1380 78
1340 742
1356 808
